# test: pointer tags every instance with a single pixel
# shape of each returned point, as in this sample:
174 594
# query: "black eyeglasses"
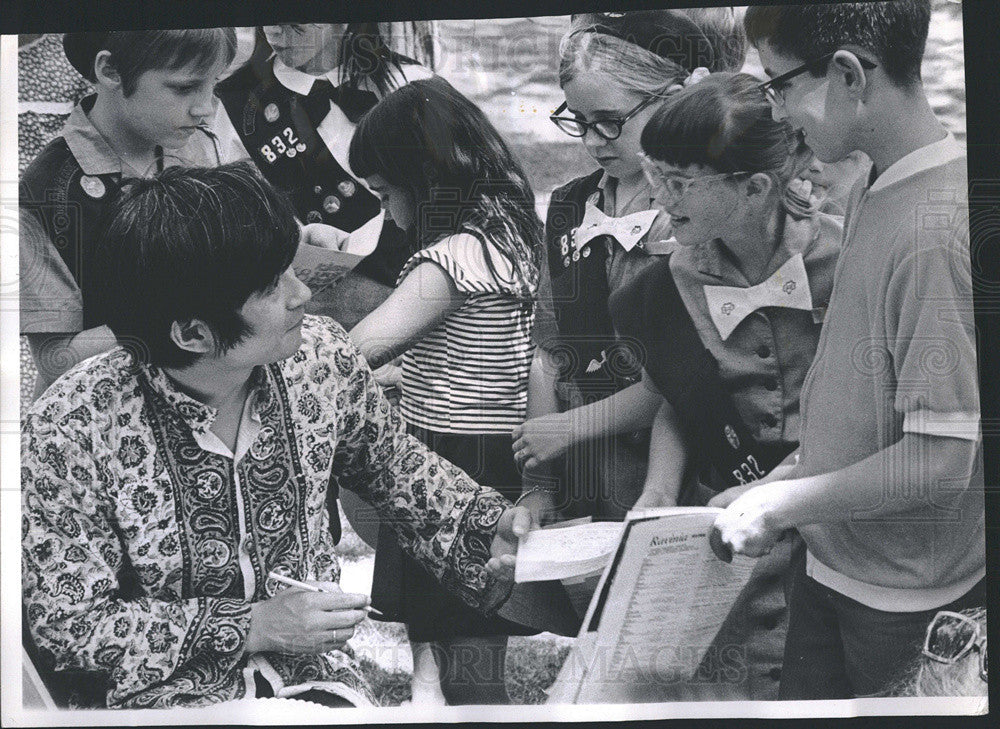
605 128
950 636
774 89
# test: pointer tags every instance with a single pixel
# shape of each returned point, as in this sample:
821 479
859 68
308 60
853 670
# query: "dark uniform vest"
587 351
274 125
651 312
654 332
70 206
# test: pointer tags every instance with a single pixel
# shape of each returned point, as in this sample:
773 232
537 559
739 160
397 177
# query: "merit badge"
271 112
92 186
734 440
314 216
301 146
565 261
331 204
347 188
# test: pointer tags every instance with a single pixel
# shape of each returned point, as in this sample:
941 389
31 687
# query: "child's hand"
541 439
747 524
724 498
653 499
389 375
323 236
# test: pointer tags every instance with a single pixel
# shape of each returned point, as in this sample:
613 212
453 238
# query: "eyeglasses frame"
774 89
619 121
977 642
649 166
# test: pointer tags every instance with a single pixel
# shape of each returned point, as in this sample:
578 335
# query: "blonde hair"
636 69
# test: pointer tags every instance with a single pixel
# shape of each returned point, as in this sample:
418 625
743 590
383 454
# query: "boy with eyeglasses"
887 487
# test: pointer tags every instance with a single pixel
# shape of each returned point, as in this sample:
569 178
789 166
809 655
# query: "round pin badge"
291 152
347 188
318 190
331 204
566 261
93 186
301 146
314 216
576 255
271 112
586 251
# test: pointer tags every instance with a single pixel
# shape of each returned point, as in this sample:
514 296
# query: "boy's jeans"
838 648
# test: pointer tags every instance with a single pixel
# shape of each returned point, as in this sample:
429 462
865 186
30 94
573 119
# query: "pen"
312 588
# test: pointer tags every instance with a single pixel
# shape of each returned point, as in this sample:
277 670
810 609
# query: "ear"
758 186
193 335
849 71
105 71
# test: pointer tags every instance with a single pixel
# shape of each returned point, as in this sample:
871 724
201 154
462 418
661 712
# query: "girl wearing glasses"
602 230
754 268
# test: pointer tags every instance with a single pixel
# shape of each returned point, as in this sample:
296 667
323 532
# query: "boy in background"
154 92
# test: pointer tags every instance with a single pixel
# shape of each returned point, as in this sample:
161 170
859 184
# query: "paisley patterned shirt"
143 551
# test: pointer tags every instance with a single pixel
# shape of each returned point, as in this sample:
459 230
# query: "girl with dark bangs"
461 316
754 270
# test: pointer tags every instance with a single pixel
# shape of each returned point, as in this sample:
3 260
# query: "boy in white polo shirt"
887 490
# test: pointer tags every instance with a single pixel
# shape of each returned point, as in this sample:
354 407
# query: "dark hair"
365 56
431 141
135 52
725 32
724 122
191 243
894 32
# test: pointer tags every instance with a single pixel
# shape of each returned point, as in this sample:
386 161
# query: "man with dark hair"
166 480
887 486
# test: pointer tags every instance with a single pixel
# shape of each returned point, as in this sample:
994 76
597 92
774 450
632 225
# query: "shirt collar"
797 237
609 186
932 155
300 82
91 150
197 415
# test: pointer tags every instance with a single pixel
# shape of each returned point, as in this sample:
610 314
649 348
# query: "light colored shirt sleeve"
50 298
929 321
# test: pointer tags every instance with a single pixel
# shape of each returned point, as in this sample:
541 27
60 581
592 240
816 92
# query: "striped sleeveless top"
470 373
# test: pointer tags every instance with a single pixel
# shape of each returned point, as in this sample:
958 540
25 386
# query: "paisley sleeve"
75 575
